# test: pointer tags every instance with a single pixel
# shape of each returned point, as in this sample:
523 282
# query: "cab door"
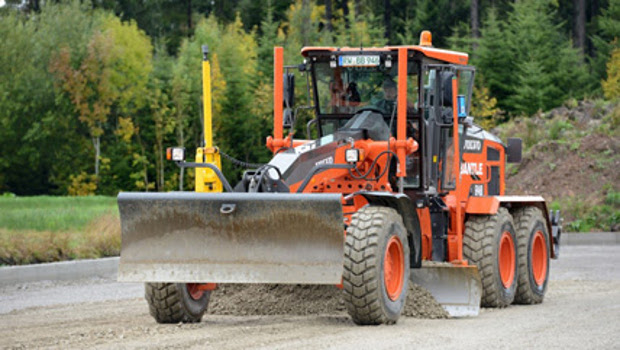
439 119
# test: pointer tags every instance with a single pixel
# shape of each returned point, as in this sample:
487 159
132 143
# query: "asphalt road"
581 311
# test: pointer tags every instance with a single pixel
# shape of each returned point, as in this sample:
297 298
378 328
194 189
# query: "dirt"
273 299
421 304
553 169
584 282
579 166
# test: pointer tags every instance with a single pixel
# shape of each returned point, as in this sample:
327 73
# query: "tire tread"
165 304
478 249
523 217
360 277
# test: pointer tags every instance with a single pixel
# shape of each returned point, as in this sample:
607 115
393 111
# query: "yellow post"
206 180
206 97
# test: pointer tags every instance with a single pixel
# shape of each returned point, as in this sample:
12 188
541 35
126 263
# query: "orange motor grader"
399 185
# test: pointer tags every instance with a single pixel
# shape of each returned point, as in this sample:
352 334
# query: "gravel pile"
274 299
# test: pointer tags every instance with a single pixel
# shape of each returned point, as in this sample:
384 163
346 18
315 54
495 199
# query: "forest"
92 92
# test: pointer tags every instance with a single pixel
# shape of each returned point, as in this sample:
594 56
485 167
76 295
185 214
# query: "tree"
607 39
237 129
484 107
611 86
579 24
88 87
113 75
548 69
439 16
475 21
266 42
328 15
494 59
38 131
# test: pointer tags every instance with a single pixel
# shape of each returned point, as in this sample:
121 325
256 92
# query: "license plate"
359 61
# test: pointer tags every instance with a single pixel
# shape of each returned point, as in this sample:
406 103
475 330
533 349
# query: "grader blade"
457 288
231 237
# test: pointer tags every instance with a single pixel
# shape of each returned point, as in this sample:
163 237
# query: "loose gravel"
273 299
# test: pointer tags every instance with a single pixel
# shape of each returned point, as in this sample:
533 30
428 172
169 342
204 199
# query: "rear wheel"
533 241
176 302
489 242
376 266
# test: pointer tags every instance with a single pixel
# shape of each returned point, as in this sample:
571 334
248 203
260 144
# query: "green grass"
55 214
45 229
587 216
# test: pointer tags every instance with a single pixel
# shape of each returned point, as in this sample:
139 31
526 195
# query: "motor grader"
398 186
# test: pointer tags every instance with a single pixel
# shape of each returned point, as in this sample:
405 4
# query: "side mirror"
446 86
288 99
514 150
289 90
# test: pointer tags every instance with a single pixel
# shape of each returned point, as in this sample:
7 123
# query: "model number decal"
472 169
305 147
473 145
328 160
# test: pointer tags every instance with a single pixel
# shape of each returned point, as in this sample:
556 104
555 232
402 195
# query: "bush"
557 129
611 86
82 185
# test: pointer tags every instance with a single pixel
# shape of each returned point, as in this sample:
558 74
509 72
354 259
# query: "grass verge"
46 229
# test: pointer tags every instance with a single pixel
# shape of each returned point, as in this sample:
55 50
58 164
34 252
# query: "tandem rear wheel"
376 266
176 302
490 242
534 246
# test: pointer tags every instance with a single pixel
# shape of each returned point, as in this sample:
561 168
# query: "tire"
376 266
533 242
173 302
489 242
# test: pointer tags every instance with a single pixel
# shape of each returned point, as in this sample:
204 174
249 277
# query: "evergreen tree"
607 39
439 16
495 60
266 42
546 66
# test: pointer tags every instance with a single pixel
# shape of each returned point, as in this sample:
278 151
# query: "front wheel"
376 266
176 302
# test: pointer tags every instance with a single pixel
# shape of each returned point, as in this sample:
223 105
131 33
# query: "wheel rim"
194 290
539 258
393 268
507 259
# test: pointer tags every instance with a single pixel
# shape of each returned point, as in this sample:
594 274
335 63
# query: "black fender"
406 208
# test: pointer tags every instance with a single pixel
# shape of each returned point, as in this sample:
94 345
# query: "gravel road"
581 311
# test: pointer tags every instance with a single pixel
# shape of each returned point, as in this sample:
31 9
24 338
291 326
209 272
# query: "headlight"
352 155
176 154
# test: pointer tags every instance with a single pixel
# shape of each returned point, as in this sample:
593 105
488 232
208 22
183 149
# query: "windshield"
345 90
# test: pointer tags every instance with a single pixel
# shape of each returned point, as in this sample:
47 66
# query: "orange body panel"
401 131
482 205
424 216
340 181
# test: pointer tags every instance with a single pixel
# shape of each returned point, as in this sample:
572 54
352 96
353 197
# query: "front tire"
489 242
176 302
376 266
533 241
